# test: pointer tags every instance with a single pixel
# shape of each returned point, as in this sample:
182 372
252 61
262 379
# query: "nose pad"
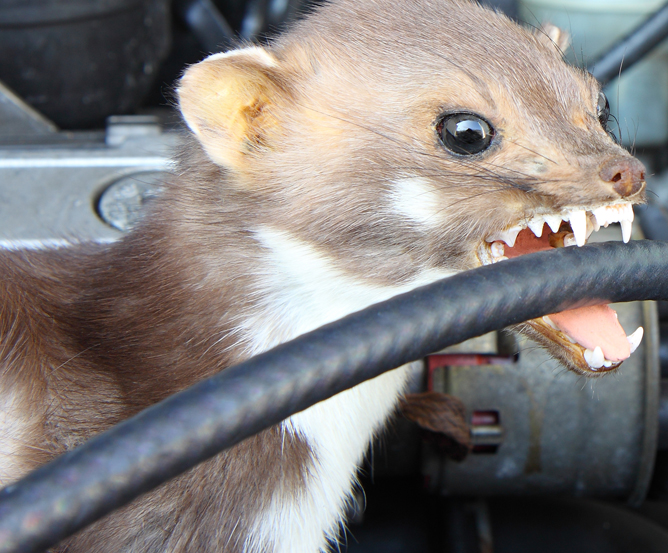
625 174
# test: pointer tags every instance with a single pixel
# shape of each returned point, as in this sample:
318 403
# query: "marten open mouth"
591 339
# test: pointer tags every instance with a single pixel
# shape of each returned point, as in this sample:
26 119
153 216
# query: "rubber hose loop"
167 439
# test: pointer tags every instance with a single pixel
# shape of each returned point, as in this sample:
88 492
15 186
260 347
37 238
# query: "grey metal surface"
120 205
49 193
650 437
18 119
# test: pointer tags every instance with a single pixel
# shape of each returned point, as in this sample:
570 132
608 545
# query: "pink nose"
625 174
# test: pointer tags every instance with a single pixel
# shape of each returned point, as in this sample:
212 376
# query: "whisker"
524 175
652 192
617 137
494 177
532 151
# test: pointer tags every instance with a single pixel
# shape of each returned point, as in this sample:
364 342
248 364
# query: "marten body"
320 182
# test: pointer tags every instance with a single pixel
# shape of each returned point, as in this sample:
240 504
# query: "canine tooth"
627 227
508 236
635 338
594 359
569 240
629 212
553 221
626 215
578 219
500 258
536 226
549 322
497 249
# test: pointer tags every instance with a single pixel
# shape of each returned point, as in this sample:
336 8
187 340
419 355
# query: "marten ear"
552 36
226 101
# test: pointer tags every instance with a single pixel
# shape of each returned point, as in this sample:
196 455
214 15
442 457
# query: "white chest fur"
302 290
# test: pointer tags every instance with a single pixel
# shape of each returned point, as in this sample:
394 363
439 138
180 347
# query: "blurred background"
550 462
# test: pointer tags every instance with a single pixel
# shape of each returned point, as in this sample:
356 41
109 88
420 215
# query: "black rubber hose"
630 49
169 438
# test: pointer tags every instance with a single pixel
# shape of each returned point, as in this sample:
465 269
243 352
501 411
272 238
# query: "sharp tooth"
601 216
593 222
497 259
627 227
553 221
607 364
635 338
536 226
497 249
508 236
578 219
591 227
597 359
549 322
629 212
594 359
569 240
626 213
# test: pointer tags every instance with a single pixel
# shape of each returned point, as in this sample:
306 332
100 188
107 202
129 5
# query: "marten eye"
603 110
465 133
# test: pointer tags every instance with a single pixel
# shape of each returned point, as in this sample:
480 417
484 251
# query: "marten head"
404 138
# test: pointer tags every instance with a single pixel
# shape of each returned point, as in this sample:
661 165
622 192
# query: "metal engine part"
58 188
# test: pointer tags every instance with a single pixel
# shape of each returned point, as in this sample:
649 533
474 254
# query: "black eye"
603 110
465 133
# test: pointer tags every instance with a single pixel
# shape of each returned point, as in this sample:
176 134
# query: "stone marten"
375 147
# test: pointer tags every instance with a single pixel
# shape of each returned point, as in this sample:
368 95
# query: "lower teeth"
595 358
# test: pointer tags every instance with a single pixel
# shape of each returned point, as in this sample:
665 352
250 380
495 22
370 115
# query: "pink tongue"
595 326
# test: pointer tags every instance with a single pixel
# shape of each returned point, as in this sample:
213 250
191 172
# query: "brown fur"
442 418
310 144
